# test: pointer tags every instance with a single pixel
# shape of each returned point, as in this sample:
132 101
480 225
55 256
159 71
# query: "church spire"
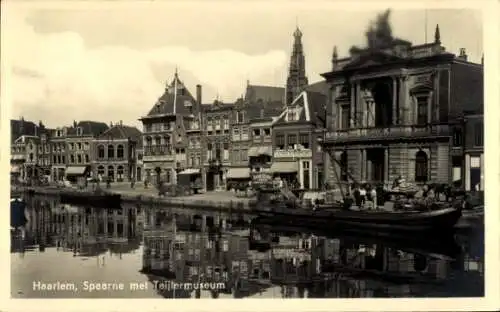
297 79
437 35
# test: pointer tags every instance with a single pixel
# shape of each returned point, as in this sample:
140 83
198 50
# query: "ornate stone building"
116 152
390 109
165 133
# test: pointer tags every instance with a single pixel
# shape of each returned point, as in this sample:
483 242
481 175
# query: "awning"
76 170
284 167
238 173
253 151
266 150
189 171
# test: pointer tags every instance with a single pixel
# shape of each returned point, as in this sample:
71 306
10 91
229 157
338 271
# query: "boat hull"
112 201
437 220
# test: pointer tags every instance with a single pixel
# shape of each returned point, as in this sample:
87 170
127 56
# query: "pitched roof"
265 94
122 132
22 127
175 100
89 128
311 107
319 87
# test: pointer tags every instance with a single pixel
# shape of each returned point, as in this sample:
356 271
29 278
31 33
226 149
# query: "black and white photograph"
240 149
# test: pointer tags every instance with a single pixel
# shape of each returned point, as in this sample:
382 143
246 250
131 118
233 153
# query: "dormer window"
79 131
292 114
58 133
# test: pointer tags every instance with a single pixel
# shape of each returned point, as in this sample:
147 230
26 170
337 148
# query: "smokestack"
198 94
462 55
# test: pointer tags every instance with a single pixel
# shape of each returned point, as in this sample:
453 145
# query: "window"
63 159
226 123
304 140
239 117
422 112
100 170
54 158
79 131
111 151
209 151
79 159
306 171
244 133
421 168
292 141
280 141
87 158
457 137
218 151
478 134
119 172
86 146
226 151
111 173
267 131
291 115
256 132
72 159
343 166
345 111
71 146
119 151
236 155
217 123
79 146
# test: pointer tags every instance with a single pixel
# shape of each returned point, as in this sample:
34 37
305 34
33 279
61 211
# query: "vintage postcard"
250 150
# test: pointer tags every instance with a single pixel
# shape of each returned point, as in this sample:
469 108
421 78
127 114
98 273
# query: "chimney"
74 123
482 59
335 57
111 124
121 122
198 94
462 55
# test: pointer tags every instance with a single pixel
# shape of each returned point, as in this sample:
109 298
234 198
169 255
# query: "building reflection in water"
86 232
186 246
193 248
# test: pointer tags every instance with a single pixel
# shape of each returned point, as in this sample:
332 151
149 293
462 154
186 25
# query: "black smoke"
379 34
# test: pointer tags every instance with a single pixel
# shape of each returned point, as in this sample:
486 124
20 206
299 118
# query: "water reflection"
249 260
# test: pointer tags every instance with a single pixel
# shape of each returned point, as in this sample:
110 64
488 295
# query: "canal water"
152 252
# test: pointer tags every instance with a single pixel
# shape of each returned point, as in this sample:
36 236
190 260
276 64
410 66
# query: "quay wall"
228 205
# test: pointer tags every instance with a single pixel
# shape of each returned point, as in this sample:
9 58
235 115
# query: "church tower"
297 80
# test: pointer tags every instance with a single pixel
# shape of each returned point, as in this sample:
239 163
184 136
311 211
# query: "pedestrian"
362 194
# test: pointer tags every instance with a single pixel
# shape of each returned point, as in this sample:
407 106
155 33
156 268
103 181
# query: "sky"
110 61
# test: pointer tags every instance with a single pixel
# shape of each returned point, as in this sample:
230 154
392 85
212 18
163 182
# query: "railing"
298 153
388 132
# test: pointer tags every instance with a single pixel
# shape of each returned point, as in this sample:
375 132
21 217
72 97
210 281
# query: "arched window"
100 171
119 172
343 166
111 151
119 151
100 152
111 172
421 167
